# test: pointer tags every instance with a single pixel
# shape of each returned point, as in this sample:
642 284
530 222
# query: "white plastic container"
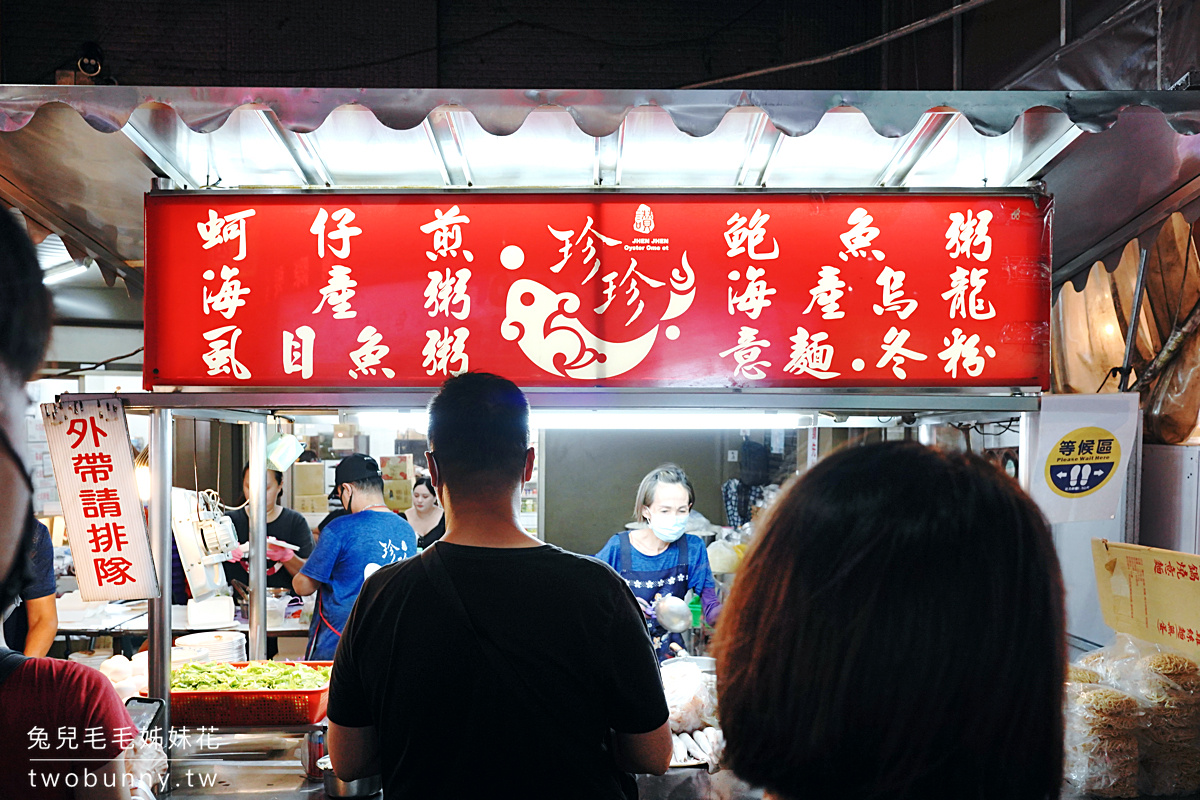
215 612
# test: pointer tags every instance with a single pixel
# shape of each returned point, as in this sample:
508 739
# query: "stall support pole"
161 479
1134 320
1026 448
257 511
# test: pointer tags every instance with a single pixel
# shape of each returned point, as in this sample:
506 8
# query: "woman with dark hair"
658 558
426 516
896 631
283 524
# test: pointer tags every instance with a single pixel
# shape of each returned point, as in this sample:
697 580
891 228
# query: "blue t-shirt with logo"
350 549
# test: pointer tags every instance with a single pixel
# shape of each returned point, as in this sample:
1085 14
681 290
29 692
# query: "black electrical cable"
869 44
97 365
516 22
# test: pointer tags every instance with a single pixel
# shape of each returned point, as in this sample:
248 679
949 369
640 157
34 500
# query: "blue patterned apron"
652 584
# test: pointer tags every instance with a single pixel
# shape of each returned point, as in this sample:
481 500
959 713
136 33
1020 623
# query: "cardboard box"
1150 593
308 479
344 434
312 503
397 468
397 495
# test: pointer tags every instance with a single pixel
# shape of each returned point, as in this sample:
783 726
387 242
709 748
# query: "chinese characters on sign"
93 466
626 290
1177 569
1149 593
230 228
446 295
1178 631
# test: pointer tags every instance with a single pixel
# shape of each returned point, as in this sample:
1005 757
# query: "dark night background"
529 43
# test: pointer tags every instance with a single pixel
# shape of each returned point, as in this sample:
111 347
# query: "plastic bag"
691 696
1146 691
1101 744
722 558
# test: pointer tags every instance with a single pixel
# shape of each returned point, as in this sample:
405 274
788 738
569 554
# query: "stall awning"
78 159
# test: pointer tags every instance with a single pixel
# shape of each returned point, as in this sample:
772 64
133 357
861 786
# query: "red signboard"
652 290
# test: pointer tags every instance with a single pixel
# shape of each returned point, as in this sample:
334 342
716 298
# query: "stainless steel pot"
336 787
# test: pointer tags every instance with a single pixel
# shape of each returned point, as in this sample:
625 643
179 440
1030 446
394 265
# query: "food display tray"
250 707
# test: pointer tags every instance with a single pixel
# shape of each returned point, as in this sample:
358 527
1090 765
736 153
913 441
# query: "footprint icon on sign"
1084 474
1075 474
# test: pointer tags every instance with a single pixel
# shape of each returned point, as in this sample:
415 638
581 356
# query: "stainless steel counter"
281 779
266 767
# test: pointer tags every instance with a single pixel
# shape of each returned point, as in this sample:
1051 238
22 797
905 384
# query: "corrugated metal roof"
78 159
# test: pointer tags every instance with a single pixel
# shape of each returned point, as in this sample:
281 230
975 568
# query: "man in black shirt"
527 673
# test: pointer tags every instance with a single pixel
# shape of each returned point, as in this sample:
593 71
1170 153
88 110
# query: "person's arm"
710 604
354 752
353 741
42 613
110 782
701 582
38 596
645 752
94 703
146 765
633 693
318 567
303 585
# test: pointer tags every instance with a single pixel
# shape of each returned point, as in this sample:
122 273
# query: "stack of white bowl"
221 645
179 657
89 658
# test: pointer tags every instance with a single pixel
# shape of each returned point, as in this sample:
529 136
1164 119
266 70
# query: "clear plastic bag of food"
691 696
722 557
1095 709
1101 745
1165 686
1105 765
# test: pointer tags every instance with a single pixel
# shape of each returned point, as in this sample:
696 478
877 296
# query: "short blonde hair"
664 473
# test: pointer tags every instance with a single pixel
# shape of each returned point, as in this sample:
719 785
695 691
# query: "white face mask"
668 527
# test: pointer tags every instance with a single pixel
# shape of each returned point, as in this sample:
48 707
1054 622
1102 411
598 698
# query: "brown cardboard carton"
397 468
397 495
308 479
312 503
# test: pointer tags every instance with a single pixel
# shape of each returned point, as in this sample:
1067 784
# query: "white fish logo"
543 323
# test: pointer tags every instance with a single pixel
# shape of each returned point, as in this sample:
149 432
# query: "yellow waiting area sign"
1081 462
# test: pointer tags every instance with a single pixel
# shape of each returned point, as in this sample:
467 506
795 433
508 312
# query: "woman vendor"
658 558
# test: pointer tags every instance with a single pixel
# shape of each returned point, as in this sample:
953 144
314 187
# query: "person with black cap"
350 549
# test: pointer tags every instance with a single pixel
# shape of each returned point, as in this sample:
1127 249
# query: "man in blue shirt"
350 549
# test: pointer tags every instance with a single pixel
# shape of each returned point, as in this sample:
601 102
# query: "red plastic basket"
245 708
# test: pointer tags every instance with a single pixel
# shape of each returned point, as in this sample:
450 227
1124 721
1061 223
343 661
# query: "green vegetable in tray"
220 676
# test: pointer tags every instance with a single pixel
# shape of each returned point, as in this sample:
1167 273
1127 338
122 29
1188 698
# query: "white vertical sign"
814 450
1085 444
93 467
